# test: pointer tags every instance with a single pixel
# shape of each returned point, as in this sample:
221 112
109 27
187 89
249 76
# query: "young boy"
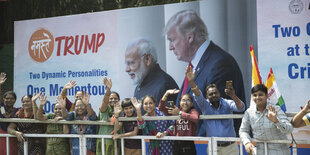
132 146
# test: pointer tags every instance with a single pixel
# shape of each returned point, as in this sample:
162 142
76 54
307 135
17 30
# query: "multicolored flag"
274 95
256 78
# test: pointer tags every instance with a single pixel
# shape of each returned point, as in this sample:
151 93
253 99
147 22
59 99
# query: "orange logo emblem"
41 45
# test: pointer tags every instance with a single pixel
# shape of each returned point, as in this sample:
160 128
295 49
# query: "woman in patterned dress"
36 146
154 128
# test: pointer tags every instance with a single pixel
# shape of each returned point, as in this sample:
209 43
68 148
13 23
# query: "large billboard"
283 45
50 52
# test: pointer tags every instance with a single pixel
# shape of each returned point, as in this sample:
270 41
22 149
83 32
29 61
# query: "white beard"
140 74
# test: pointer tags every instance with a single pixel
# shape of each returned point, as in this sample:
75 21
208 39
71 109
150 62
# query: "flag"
256 78
274 95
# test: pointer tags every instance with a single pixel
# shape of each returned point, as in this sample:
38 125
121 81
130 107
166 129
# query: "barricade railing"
212 141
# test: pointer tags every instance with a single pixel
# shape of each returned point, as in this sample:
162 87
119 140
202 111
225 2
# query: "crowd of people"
266 122
204 92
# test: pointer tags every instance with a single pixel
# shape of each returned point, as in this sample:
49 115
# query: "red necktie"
186 81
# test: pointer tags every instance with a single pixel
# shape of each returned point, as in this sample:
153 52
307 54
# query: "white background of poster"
272 51
226 26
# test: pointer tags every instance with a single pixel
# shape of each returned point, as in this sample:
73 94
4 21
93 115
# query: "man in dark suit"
188 39
143 69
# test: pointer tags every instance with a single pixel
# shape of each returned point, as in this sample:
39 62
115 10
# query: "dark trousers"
184 148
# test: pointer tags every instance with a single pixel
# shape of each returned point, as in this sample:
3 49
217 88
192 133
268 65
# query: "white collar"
197 56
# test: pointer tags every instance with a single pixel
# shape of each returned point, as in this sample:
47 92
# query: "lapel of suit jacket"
201 65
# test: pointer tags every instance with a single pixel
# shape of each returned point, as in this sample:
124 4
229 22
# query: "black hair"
212 85
259 87
148 96
189 96
114 92
126 103
29 96
10 93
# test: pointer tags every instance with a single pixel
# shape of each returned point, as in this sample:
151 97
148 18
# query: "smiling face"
129 110
26 103
149 106
113 99
58 110
9 100
260 99
179 45
186 103
213 95
135 66
80 108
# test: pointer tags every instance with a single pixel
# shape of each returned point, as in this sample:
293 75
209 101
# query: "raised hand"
230 92
35 96
172 91
43 100
85 98
136 104
306 108
2 78
107 83
70 84
272 114
117 109
190 75
174 111
60 100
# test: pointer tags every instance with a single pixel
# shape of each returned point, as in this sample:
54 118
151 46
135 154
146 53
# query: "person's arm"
66 129
190 75
69 85
169 131
12 130
244 131
231 93
297 120
2 81
85 100
278 117
105 100
162 104
117 111
137 105
192 116
34 104
128 134
40 112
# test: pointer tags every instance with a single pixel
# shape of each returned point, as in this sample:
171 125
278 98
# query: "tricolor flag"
256 79
274 95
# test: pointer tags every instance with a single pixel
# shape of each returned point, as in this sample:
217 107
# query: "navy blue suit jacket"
216 66
155 84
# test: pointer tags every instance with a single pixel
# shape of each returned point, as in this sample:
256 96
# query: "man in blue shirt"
216 105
